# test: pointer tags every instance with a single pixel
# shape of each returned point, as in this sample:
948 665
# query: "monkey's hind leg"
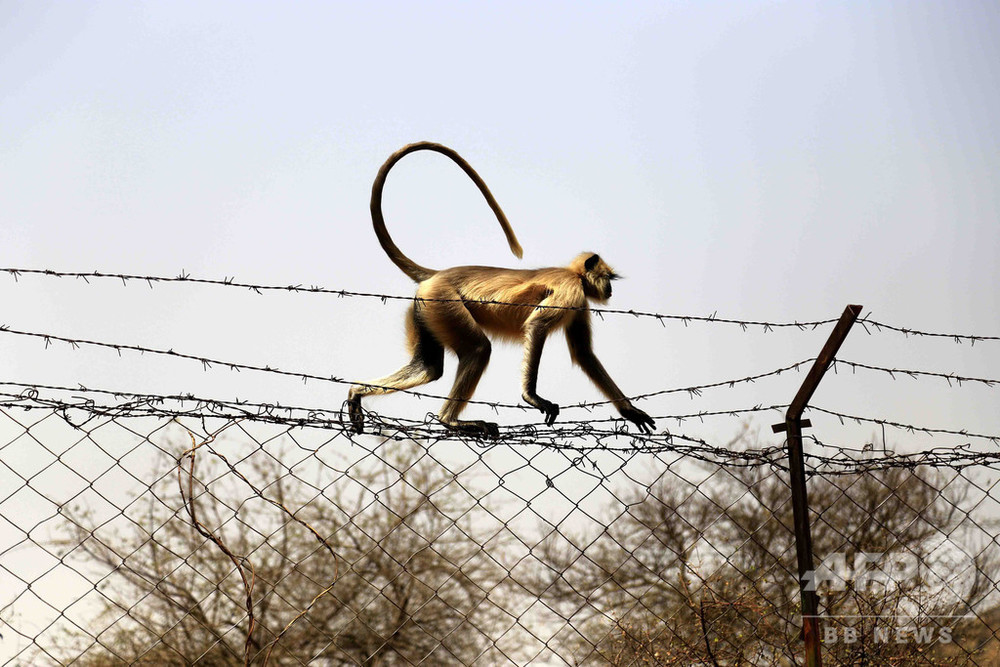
473 349
426 365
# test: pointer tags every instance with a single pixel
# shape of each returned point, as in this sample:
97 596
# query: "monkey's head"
595 275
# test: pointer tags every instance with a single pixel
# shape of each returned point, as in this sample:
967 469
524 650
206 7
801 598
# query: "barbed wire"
123 405
610 435
131 404
693 391
259 288
958 338
266 503
581 438
126 405
955 457
910 428
916 374
207 363
585 443
151 280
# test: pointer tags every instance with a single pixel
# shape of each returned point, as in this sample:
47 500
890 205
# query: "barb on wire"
207 363
313 289
893 372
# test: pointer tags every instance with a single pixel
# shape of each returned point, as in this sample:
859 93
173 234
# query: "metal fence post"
796 466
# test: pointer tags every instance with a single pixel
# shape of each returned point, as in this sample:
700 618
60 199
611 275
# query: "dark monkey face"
597 277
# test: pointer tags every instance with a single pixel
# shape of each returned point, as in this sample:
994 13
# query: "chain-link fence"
171 530
155 529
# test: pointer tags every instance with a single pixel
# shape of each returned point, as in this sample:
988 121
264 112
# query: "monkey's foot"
548 408
477 428
357 416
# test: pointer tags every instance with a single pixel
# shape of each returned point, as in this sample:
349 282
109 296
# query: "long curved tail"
416 272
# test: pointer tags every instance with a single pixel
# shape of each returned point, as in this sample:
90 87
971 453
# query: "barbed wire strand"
134 404
955 457
151 280
298 288
236 408
910 428
692 390
917 333
564 436
207 363
578 437
916 374
556 437
260 288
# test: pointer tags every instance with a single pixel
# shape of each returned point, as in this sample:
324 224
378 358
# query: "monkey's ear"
591 262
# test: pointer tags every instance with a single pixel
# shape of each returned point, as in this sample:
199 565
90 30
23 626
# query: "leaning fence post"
796 467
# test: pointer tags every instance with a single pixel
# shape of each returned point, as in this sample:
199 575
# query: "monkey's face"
598 286
597 277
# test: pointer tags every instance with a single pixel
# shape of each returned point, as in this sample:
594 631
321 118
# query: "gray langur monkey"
458 307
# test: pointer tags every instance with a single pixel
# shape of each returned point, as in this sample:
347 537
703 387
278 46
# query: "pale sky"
766 161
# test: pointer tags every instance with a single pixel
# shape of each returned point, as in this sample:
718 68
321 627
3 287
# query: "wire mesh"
169 530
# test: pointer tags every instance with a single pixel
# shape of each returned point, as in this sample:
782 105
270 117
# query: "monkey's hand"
639 418
550 409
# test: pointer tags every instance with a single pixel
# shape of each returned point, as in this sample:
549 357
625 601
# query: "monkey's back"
488 292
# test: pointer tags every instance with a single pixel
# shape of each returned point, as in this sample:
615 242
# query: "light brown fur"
458 307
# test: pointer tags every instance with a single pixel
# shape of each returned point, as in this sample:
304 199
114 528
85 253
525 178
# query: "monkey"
458 308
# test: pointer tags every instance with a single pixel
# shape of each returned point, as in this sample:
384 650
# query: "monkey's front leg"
582 351
534 341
